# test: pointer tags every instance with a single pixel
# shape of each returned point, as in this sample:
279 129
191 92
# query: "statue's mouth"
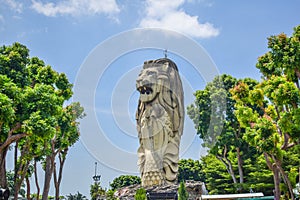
146 89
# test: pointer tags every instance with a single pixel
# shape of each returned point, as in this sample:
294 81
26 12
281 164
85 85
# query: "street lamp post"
96 177
97 180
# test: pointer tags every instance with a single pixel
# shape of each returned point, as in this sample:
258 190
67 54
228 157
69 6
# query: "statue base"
167 192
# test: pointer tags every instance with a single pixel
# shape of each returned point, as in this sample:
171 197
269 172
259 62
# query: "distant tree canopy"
77 196
124 180
190 170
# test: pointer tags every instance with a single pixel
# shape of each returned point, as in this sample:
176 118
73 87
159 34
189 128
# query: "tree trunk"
231 171
62 159
276 182
48 175
229 167
227 164
55 183
19 170
240 165
16 162
275 172
36 181
28 189
3 150
286 179
23 171
3 181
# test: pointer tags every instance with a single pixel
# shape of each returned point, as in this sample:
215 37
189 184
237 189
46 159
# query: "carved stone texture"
159 116
194 188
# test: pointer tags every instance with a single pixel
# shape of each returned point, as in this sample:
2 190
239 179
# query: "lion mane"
171 94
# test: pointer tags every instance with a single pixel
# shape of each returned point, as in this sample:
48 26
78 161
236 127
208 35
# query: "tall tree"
67 135
40 126
216 124
274 127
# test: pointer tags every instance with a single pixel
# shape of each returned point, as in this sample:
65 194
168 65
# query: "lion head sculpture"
159 79
160 117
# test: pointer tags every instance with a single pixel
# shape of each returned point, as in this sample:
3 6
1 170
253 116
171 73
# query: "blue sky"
65 33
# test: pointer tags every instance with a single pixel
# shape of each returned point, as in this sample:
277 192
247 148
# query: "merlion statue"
160 117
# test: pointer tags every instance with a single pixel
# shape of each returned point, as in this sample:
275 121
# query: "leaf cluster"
124 180
189 169
182 192
140 194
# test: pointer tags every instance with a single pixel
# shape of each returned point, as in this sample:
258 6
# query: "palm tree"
77 196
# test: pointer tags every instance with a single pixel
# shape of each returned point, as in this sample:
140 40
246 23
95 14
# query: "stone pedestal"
164 192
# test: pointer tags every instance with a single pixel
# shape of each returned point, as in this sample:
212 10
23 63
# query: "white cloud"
168 14
14 5
76 7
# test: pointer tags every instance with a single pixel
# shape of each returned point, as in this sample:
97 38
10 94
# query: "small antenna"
166 53
96 168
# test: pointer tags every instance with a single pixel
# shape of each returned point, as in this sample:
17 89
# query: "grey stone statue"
160 118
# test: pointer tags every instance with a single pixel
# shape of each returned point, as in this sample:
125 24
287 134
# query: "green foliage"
32 97
189 169
182 192
11 184
259 177
208 111
263 115
68 125
140 194
13 61
273 128
124 180
221 167
110 195
291 163
283 57
96 191
217 178
214 115
77 196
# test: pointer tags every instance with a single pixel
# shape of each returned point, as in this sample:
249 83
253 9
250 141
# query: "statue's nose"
138 82
139 79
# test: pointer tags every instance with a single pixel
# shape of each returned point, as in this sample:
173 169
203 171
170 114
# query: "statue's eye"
151 73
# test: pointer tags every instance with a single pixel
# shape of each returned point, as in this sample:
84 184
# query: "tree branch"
11 139
17 126
269 164
286 145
